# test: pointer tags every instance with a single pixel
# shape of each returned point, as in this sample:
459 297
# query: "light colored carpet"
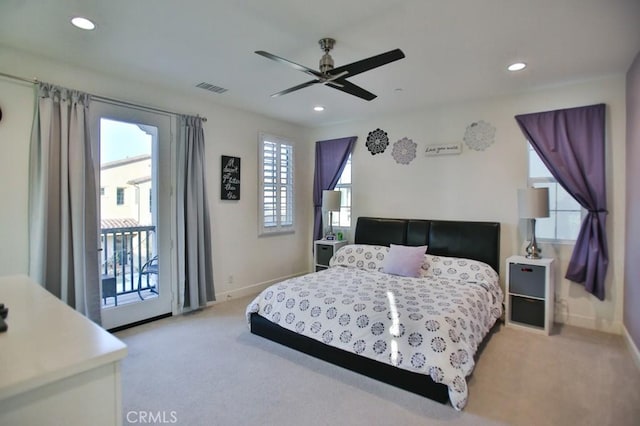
208 369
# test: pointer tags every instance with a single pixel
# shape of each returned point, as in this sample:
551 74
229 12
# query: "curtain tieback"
598 211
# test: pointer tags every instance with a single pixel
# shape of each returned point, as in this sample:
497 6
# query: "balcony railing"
125 252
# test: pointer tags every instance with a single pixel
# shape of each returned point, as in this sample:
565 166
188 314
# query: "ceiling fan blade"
294 88
288 62
350 88
358 67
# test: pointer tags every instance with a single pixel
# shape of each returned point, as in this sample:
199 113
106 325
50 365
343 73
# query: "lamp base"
330 235
532 250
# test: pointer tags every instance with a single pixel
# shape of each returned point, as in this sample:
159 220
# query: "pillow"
362 256
457 269
405 260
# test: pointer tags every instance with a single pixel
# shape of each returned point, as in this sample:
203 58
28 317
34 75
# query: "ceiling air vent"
211 87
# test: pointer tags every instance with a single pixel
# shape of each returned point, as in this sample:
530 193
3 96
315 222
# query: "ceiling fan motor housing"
326 62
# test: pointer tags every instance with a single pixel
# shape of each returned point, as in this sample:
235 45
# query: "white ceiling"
456 50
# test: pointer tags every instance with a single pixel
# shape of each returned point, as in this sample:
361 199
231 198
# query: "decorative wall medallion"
404 151
377 141
479 135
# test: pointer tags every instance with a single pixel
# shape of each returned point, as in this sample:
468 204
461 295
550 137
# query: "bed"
434 322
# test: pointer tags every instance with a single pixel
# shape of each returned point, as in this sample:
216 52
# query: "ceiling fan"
337 77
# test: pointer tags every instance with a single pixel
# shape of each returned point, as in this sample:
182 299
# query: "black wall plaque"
230 179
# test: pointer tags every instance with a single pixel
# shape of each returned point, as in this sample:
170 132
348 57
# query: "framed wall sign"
230 178
443 149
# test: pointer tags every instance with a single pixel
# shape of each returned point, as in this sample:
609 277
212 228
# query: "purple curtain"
571 144
331 157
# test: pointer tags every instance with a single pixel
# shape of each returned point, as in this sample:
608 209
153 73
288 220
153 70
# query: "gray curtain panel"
63 221
571 144
195 269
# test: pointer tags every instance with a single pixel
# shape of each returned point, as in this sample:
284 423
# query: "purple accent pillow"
404 260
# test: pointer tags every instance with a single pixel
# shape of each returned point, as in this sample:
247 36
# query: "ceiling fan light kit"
336 77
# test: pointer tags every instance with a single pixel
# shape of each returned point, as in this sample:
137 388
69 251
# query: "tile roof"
118 223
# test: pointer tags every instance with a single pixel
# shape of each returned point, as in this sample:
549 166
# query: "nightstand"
323 250
530 293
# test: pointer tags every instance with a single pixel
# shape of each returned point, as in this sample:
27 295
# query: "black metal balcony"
125 252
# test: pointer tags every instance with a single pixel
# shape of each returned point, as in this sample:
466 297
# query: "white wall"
481 185
16 101
237 250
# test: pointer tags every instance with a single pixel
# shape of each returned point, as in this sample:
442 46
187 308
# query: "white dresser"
56 366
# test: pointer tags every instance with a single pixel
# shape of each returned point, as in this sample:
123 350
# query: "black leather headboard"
471 240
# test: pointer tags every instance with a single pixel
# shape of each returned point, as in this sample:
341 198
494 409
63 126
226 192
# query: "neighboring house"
126 204
125 189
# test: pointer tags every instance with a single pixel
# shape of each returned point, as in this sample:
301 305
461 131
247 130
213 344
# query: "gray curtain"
63 223
195 270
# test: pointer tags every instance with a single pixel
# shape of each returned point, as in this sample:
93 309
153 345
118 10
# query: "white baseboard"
599 324
635 353
253 289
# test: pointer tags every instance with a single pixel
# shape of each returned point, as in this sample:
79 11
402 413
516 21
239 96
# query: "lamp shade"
533 203
331 201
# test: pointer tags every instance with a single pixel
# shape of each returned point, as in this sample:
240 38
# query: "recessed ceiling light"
318 108
517 66
83 23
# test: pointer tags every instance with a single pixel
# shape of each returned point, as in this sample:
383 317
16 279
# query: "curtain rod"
103 98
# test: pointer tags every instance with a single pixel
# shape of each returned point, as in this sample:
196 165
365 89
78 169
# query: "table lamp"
331 203
533 203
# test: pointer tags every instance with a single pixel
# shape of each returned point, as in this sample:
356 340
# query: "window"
120 196
342 219
101 190
276 198
565 213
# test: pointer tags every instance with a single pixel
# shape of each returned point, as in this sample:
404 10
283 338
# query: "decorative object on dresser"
323 251
3 315
530 293
331 203
533 203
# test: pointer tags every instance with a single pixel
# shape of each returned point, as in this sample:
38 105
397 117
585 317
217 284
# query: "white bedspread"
430 325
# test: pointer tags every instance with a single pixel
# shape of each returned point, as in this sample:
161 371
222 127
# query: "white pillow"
458 269
362 256
405 261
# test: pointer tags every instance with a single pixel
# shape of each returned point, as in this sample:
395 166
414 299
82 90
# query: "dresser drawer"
527 280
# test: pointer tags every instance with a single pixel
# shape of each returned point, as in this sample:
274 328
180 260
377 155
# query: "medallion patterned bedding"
431 325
